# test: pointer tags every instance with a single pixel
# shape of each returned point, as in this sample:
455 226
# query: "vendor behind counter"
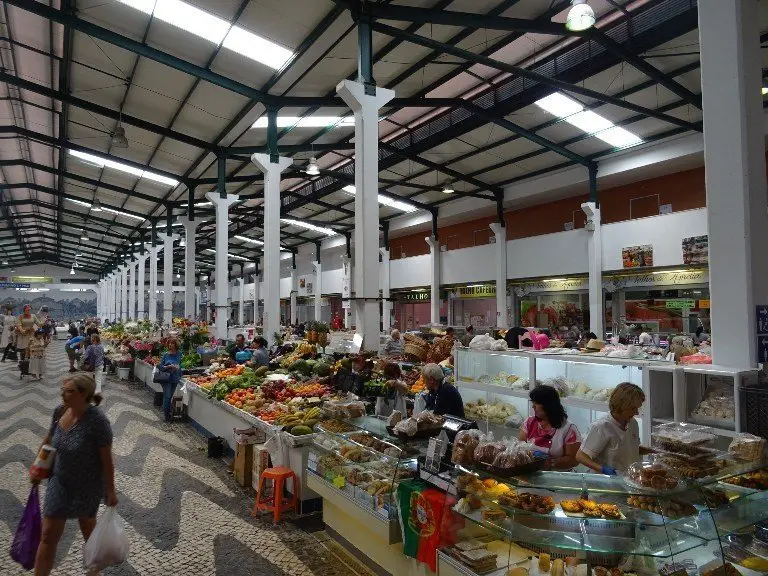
442 398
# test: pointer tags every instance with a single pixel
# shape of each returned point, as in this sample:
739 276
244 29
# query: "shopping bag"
27 538
108 544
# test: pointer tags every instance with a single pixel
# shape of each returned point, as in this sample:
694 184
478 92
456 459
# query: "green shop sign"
681 303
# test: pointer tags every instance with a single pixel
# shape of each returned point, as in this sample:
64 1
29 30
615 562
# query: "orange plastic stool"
275 503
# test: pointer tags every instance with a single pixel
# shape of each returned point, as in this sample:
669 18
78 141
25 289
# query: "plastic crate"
754 410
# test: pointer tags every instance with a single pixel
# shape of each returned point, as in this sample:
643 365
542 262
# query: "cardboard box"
260 463
244 464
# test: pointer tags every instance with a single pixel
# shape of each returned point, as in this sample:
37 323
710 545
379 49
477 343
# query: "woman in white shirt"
613 441
7 335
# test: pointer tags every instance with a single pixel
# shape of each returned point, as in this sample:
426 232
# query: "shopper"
467 338
550 430
394 346
83 471
171 363
8 334
37 348
25 330
613 441
72 348
238 347
513 336
94 359
442 398
260 354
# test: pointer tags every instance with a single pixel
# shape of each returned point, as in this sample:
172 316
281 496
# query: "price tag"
435 450
339 482
312 462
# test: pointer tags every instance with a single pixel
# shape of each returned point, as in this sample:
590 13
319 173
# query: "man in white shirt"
613 441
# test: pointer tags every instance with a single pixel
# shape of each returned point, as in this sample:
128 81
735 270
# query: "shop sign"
13 285
346 279
32 279
703 303
306 285
555 285
761 328
680 303
671 278
474 291
414 296
637 256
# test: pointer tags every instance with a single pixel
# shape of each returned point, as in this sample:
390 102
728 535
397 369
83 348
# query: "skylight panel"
214 29
588 121
102 163
306 122
250 240
233 256
308 226
386 201
105 209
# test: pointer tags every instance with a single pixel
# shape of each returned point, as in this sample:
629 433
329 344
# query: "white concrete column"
256 286
196 303
141 292
366 285
222 260
271 267
241 307
595 267
500 233
131 291
153 252
124 293
114 295
318 289
386 305
190 237
168 240
294 293
734 154
434 278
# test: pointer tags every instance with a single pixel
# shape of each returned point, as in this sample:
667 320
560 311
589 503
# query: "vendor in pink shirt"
550 430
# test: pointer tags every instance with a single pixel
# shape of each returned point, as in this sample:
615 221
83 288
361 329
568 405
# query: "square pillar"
595 267
500 234
190 237
241 307
141 293
434 279
386 305
221 204
168 240
294 292
346 291
153 252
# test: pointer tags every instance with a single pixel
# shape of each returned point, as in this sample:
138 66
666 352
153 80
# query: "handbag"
28 532
161 377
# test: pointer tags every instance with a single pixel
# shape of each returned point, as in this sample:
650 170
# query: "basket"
412 349
415 340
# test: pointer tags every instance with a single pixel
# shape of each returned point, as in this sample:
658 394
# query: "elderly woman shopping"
442 398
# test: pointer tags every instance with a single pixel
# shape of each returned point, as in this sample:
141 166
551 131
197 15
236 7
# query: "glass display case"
362 463
571 524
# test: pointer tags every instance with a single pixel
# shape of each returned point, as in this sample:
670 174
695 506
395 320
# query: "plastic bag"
419 404
27 537
108 544
278 450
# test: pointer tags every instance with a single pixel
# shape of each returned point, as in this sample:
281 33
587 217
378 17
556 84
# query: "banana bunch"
305 348
306 418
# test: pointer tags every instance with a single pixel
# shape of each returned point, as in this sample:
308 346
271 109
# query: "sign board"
555 285
474 291
32 279
637 256
424 296
13 285
703 303
680 303
306 285
761 328
346 279
672 278
696 250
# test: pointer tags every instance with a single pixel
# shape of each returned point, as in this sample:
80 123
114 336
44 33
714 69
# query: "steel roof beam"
531 75
53 192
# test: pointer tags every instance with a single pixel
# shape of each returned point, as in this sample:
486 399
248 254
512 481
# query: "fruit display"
245 399
299 423
233 371
336 426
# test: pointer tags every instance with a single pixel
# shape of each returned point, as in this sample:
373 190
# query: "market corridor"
184 512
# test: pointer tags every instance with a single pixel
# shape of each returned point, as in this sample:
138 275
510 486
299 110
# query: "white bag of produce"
278 450
481 342
419 404
108 544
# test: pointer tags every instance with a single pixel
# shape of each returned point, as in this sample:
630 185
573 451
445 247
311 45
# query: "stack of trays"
475 555
687 448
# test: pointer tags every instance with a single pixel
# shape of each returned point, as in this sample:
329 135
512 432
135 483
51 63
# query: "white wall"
557 254
408 272
665 233
477 263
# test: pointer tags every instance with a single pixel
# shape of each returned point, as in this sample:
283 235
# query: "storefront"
473 305
412 309
557 304
662 302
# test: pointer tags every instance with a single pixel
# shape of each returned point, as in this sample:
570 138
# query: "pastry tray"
528 468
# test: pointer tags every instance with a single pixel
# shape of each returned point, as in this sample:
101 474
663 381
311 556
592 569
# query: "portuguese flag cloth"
427 521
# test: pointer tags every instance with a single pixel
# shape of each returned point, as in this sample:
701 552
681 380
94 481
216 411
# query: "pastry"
558 567
610 510
617 572
489 483
493 514
600 571
517 572
571 506
509 500
544 562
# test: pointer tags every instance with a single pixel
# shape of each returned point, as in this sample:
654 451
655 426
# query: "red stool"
275 503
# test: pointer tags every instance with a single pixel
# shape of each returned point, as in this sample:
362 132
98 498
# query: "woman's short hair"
626 395
391 370
433 371
95 339
395 333
85 384
549 399
173 341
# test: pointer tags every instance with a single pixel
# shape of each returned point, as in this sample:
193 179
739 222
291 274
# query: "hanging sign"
761 329
703 303
637 256
696 250
680 303
346 280
424 296
306 285
32 279
475 291
13 285
671 278
554 285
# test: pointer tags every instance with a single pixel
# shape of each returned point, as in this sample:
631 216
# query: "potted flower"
123 364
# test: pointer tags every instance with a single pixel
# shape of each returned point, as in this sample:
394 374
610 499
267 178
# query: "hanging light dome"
119 139
580 17
312 168
447 189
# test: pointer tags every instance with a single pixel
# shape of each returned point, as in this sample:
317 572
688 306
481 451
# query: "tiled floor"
184 513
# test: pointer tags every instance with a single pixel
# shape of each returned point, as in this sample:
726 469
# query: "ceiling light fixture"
84 236
178 275
448 189
72 270
307 122
215 30
386 201
308 226
573 112
580 16
96 206
312 168
104 163
119 139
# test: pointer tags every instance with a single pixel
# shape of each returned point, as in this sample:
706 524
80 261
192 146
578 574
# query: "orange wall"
683 190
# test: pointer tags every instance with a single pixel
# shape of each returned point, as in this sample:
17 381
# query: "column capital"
316 265
166 237
383 251
189 224
353 94
497 228
218 201
264 163
432 242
